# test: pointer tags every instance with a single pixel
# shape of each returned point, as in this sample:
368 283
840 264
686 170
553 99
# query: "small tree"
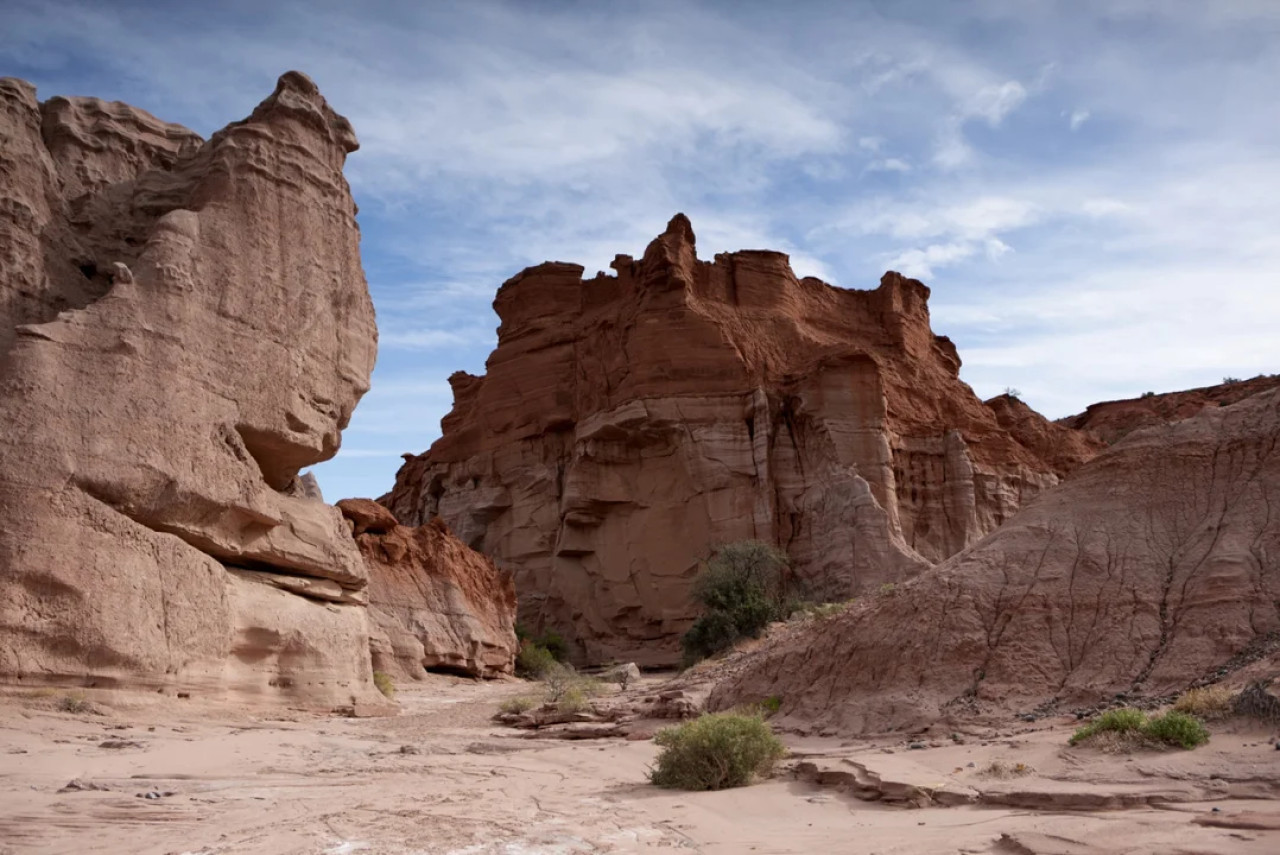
741 589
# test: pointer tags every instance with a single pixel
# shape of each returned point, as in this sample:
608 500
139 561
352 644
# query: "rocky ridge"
1150 568
629 423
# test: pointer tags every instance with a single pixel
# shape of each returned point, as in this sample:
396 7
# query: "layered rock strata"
184 326
629 423
1153 566
434 603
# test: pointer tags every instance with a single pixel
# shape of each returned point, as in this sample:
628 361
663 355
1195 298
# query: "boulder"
1150 568
629 423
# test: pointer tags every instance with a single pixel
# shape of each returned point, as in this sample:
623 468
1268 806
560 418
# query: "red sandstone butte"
629 423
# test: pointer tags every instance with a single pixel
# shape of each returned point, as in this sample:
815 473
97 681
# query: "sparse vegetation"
533 661
1177 729
1207 703
1131 728
715 752
538 653
524 703
1011 392
382 681
1148 394
887 589
741 589
74 702
771 705
1226 381
569 690
1001 769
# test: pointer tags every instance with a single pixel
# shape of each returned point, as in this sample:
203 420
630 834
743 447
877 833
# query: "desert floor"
442 778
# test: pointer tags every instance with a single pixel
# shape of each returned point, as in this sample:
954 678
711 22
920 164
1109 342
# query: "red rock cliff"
628 423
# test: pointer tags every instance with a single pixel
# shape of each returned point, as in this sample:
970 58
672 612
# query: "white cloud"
993 103
889 164
1078 118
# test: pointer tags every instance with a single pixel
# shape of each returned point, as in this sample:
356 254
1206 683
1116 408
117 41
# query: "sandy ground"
443 779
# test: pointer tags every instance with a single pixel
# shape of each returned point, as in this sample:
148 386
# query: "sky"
1090 189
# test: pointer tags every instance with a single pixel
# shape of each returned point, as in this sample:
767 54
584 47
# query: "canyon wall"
629 423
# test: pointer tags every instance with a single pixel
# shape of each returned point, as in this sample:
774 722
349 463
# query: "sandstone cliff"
184 325
1153 565
1113 420
629 423
434 603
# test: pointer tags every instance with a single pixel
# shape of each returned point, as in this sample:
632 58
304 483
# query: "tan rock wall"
185 326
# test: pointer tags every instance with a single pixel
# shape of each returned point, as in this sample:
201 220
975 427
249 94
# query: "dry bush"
1207 703
1001 769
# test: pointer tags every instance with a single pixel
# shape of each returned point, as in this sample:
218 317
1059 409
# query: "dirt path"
442 779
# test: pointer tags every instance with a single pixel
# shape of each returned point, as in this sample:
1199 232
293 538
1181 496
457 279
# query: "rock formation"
629 423
1152 566
434 603
184 325
1111 421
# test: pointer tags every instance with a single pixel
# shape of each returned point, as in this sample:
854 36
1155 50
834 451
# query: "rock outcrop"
434 603
629 423
1111 421
184 326
1152 566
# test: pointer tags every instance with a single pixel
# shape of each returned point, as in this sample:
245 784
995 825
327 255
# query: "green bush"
382 680
1172 728
552 641
741 589
1177 728
533 661
715 752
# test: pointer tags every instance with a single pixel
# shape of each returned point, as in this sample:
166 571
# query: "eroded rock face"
1153 565
629 423
185 325
434 603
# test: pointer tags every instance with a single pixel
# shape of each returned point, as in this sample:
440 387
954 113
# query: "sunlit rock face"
184 326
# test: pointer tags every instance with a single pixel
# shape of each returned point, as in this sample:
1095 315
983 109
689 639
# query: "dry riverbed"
442 778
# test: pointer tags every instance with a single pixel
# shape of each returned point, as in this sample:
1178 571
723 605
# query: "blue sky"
1092 190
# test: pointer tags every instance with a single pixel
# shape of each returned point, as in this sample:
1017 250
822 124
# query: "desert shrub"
1176 728
1207 703
1227 381
1011 392
517 705
1148 394
550 640
382 680
574 699
715 752
73 702
1130 727
741 589
888 589
1127 720
1257 703
1001 769
533 661
771 705
562 681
